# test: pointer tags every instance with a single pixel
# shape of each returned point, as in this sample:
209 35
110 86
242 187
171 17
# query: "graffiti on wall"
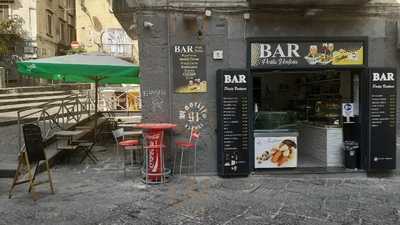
156 97
194 115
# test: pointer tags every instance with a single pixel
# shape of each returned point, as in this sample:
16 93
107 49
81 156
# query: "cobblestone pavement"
88 194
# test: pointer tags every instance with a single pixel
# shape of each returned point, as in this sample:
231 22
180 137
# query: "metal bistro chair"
131 145
187 146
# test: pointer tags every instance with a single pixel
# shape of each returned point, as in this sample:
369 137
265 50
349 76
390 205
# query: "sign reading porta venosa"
308 54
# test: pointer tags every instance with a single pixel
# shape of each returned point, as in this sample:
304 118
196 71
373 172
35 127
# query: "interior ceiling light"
312 12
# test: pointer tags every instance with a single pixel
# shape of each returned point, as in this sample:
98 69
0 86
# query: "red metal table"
154 136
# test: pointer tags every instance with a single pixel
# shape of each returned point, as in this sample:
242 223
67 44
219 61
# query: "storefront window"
305 109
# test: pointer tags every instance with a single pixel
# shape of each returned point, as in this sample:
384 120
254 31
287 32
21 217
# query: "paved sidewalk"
87 194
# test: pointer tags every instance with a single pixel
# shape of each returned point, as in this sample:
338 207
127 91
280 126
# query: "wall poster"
189 63
234 121
306 53
382 118
275 152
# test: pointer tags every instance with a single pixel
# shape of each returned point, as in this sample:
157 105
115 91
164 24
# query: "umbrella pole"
96 99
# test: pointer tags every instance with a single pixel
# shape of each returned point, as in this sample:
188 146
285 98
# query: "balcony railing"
121 6
302 3
119 50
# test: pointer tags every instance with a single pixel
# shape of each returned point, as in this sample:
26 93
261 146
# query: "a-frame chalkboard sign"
31 156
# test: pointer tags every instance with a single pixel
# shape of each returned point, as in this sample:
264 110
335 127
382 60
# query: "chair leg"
195 161
49 175
131 158
180 166
174 166
31 180
146 162
123 162
34 176
15 179
118 156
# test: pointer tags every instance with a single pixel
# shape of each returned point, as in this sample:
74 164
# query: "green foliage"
11 31
76 51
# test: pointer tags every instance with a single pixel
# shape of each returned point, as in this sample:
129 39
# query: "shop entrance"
298 119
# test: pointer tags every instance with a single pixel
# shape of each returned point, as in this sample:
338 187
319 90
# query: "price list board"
382 118
234 101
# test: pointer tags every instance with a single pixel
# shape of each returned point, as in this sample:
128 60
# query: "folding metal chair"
131 145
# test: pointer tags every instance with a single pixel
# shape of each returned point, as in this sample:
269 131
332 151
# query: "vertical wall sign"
189 63
234 103
382 119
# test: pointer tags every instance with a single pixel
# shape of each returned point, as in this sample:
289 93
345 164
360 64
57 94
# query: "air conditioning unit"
2 77
398 35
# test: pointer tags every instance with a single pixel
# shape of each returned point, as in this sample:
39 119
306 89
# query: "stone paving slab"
100 194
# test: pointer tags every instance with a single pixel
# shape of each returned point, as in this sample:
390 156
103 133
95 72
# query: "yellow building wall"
98 30
61 10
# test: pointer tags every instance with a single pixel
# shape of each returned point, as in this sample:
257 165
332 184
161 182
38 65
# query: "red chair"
127 145
187 146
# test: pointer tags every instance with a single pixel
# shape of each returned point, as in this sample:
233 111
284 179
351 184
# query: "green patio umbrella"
82 68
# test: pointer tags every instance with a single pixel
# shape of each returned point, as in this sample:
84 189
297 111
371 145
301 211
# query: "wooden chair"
32 154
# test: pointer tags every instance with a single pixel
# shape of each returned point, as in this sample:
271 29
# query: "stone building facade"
226 25
49 27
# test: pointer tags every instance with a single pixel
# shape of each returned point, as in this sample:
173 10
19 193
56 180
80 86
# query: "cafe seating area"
130 145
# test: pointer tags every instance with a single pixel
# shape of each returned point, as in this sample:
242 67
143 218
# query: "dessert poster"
275 152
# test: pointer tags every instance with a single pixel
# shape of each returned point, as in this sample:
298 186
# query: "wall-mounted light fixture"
148 24
132 27
208 13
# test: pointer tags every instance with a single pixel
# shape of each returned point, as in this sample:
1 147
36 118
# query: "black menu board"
189 69
234 104
382 118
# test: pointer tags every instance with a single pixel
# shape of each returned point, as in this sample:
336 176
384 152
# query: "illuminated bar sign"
323 53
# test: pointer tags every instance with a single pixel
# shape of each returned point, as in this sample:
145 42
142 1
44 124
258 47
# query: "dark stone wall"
229 33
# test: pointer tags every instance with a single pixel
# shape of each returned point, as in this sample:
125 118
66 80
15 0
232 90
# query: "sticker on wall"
194 115
189 69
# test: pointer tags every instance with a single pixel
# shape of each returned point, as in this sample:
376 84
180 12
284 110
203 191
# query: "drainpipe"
169 63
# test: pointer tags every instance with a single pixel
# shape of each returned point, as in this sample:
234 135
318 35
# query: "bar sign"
382 119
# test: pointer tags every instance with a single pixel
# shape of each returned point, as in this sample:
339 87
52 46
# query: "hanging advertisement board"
304 53
189 69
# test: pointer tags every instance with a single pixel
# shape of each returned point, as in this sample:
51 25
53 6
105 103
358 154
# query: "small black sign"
234 104
189 68
305 53
33 143
382 118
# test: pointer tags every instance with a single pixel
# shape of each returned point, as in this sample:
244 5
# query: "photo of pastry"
326 54
276 152
193 86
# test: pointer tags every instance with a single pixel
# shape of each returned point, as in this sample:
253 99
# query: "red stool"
187 146
129 145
